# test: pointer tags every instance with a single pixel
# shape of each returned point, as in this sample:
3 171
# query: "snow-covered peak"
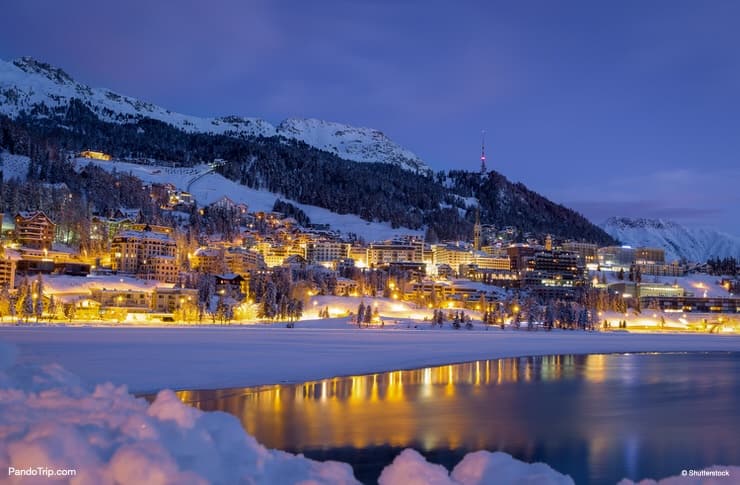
640 222
680 242
40 89
32 66
37 88
351 143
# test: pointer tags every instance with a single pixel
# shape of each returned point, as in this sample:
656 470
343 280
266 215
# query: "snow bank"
47 419
484 467
411 468
479 468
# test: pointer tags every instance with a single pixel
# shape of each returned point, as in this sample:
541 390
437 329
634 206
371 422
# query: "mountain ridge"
27 84
680 242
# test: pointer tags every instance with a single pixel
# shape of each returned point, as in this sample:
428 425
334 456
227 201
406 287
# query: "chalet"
231 284
34 229
345 287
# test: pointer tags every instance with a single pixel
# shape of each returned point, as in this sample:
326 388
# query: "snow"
693 244
411 468
26 83
351 143
13 166
108 436
484 467
208 187
148 359
478 468
212 187
60 284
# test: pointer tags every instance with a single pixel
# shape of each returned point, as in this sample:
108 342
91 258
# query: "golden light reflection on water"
393 408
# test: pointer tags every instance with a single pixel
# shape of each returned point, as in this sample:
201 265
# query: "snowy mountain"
680 242
40 90
350 143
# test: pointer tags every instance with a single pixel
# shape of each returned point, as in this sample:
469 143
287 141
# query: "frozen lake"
598 418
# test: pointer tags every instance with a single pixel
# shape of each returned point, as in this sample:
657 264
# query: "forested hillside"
299 172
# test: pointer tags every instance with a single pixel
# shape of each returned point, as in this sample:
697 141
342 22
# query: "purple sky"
613 108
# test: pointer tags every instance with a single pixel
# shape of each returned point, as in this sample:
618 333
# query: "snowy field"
13 166
150 359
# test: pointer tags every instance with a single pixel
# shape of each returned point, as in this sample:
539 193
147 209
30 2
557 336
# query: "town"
180 262
349 243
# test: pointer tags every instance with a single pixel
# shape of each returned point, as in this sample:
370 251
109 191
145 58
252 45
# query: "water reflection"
597 417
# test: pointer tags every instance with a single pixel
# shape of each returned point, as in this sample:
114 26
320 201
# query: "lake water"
598 418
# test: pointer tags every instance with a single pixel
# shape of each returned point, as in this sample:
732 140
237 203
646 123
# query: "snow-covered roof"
151 235
81 284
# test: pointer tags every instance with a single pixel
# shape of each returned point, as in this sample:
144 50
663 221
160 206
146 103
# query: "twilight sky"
612 108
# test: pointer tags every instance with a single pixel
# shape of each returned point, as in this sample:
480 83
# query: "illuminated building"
147 254
661 269
554 274
646 290
519 254
586 251
359 255
345 287
616 257
168 300
459 258
394 252
34 230
7 270
95 155
242 261
326 251
644 255
694 304
208 260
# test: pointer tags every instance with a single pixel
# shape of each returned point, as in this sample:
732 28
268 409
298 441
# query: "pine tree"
5 302
360 313
27 306
20 296
52 307
39 293
549 316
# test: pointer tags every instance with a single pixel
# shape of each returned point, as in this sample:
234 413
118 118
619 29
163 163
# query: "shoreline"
260 387
148 360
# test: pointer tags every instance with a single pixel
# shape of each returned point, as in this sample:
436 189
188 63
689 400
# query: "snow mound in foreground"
48 419
479 468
